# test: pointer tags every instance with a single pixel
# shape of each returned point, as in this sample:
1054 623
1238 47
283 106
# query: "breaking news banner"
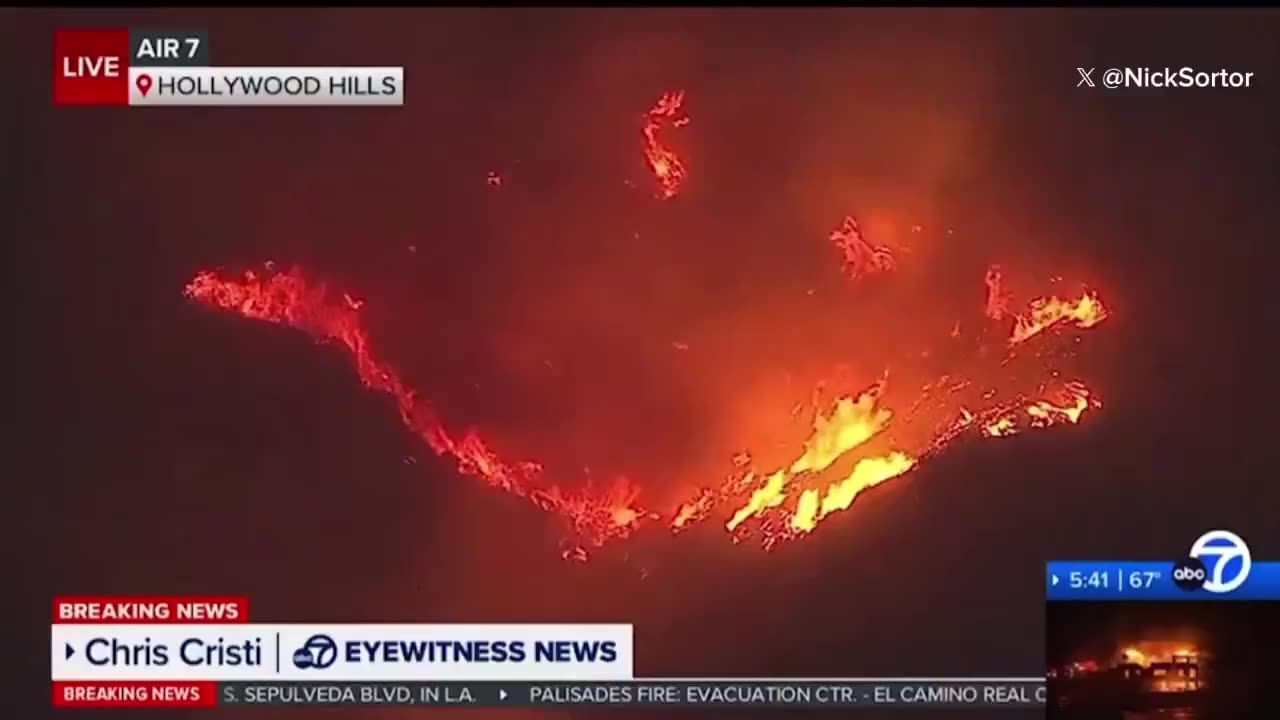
141 652
172 68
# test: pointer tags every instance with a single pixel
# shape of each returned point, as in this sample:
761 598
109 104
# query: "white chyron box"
266 86
375 652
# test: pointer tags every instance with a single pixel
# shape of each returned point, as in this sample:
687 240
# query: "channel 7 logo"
1219 562
319 652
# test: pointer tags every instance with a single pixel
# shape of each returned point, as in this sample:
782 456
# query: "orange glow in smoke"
666 165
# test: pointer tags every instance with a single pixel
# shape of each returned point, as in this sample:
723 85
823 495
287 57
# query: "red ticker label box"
91 67
137 694
127 610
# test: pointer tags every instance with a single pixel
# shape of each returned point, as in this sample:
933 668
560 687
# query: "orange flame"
1083 312
663 161
860 257
1147 652
997 297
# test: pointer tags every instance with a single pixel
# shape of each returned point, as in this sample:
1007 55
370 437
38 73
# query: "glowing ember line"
700 508
1068 406
694 511
288 299
663 161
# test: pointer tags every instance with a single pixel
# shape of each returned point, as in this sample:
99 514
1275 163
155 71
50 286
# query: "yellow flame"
1000 428
771 495
868 473
1047 411
850 424
1136 656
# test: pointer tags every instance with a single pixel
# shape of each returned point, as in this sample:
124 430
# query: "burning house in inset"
1178 671
1143 674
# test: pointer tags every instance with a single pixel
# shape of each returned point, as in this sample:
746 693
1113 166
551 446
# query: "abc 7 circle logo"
319 651
1190 574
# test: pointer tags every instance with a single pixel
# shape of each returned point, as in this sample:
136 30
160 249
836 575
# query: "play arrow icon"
1053 579
502 694
70 651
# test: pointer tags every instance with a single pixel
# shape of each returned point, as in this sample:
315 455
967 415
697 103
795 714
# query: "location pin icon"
144 84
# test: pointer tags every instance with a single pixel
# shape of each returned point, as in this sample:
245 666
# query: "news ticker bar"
848 693
1123 580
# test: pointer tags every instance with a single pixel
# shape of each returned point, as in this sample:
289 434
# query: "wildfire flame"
1072 400
1043 313
785 502
830 468
1149 652
860 442
1083 312
666 165
851 423
998 298
868 473
785 511
860 257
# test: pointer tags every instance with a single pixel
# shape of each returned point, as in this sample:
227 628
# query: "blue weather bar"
1128 580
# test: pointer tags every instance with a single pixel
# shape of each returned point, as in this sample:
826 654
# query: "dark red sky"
166 449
